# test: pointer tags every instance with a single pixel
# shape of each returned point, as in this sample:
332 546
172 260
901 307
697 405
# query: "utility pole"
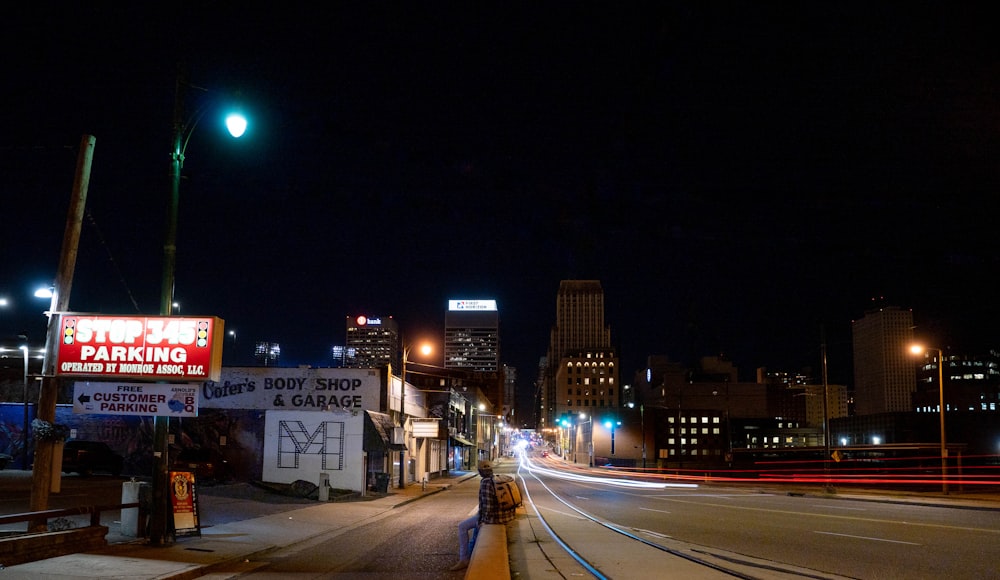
41 476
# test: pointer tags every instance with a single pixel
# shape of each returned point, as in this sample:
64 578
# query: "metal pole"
402 419
944 445
24 426
642 423
159 530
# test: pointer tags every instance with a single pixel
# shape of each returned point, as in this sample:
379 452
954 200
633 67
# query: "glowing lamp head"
237 124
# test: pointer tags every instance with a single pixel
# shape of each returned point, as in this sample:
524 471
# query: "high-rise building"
267 354
579 328
472 336
372 342
884 371
587 382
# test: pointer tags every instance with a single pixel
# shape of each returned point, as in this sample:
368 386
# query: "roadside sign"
166 348
144 399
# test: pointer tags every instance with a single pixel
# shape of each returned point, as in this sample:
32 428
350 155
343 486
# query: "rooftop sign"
490 305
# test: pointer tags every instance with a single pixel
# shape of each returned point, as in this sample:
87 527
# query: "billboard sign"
143 347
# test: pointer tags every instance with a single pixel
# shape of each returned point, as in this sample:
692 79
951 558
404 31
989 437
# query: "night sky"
738 176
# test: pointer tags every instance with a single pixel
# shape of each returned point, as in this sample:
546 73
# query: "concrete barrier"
489 556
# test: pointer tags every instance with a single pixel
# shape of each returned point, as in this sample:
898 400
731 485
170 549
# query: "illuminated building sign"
154 348
490 305
365 321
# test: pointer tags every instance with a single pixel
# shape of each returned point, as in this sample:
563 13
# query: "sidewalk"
227 543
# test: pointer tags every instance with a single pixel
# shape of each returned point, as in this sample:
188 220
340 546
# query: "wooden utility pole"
41 476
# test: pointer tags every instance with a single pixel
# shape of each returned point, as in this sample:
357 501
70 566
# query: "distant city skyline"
742 180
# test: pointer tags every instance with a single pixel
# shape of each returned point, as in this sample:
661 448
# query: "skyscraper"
884 372
372 342
579 328
472 336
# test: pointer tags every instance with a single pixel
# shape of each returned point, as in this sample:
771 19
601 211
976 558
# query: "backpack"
508 494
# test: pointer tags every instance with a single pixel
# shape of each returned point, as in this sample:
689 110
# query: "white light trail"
530 465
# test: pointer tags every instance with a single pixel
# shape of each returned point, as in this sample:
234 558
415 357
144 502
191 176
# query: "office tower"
372 342
884 371
579 328
472 336
267 354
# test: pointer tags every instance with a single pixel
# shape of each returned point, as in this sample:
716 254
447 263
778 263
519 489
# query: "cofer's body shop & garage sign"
155 347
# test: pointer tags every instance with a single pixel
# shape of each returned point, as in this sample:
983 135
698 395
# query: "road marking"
652 510
718 495
581 497
866 538
651 533
560 512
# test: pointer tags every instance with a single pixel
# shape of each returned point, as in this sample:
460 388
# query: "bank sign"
302 389
154 348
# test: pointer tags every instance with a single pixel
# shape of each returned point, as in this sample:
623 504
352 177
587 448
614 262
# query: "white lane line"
651 533
866 538
837 507
652 510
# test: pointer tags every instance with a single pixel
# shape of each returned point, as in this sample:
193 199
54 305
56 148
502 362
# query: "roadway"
621 528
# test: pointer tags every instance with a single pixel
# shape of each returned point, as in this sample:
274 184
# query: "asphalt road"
418 540
627 531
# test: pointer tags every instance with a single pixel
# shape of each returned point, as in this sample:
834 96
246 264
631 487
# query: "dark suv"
86 457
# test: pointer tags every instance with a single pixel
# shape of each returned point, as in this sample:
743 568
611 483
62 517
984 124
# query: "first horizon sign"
150 347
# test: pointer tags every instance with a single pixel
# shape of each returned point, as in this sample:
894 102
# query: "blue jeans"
464 542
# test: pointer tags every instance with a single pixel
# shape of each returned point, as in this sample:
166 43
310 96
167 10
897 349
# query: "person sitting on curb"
489 513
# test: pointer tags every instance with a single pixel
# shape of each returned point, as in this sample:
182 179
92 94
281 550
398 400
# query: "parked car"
208 465
86 457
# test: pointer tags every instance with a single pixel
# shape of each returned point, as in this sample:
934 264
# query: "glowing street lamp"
183 128
610 426
919 350
425 349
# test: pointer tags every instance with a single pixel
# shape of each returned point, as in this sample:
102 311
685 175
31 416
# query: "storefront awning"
463 442
378 433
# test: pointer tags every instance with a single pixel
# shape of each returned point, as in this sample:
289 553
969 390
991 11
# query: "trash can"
133 520
382 482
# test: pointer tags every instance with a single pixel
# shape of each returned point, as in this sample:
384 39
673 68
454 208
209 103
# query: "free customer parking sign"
146 399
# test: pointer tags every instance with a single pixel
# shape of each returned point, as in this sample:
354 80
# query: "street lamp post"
24 426
610 425
182 131
918 349
425 349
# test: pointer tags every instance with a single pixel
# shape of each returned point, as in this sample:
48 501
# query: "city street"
418 540
622 530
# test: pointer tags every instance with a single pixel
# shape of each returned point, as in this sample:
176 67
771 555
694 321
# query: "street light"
918 350
425 349
610 425
182 131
